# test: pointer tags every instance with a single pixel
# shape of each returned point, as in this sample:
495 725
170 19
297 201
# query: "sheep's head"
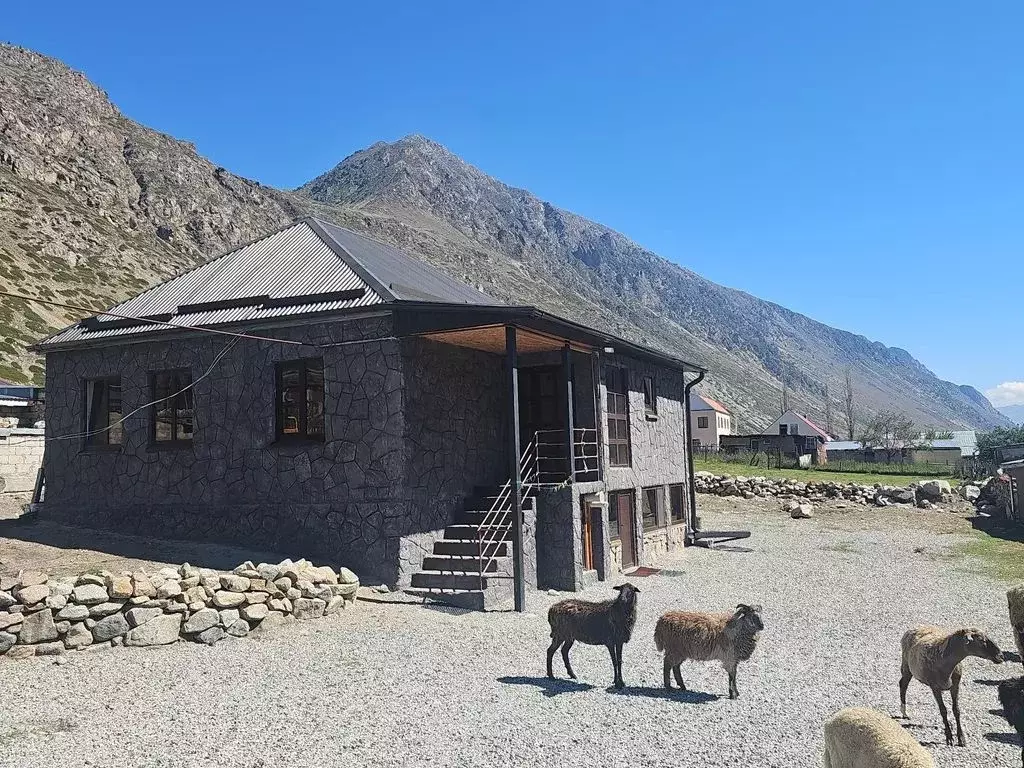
977 643
749 617
627 593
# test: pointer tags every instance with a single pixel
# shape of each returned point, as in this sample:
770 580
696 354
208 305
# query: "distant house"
792 434
21 405
709 421
947 450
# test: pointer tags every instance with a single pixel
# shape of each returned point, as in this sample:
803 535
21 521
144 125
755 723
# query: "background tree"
851 426
989 443
784 398
891 432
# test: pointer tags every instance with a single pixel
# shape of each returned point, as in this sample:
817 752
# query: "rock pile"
42 616
990 496
923 494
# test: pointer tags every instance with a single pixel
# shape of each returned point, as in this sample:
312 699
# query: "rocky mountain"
1015 413
94 207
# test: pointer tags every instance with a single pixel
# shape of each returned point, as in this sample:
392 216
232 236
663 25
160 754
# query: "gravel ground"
407 685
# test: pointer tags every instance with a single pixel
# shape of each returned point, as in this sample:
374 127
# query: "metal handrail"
501 511
584 461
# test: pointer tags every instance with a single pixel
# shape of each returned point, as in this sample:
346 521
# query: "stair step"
482 503
466 564
439 580
472 532
476 518
470 548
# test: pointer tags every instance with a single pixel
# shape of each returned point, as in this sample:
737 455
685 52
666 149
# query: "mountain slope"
94 207
520 248
1015 413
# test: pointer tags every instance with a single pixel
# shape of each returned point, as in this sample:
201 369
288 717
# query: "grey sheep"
1015 601
1011 696
608 623
859 737
935 657
726 637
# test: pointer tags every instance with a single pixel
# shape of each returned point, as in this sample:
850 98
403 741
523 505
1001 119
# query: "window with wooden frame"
103 412
172 419
613 518
653 507
702 422
677 507
618 417
650 396
300 400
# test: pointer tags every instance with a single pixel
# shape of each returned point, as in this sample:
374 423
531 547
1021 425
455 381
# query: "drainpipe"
691 525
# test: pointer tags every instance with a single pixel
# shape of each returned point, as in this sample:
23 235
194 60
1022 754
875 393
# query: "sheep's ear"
742 607
618 588
756 608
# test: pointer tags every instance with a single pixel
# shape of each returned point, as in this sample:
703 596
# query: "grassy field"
806 475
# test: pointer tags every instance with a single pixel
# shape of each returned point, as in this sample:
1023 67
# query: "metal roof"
307 260
699 402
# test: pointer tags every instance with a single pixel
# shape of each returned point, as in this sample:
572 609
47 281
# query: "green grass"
806 475
1002 559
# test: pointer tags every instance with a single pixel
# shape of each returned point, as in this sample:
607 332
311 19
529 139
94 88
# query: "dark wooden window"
103 412
675 498
702 422
300 400
618 417
613 517
653 507
695 442
650 396
173 410
783 429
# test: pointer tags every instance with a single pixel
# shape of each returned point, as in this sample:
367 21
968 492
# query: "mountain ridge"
94 207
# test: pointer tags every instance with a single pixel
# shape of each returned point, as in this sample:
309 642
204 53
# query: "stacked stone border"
42 616
923 494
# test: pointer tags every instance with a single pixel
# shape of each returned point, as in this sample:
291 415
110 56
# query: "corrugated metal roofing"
304 259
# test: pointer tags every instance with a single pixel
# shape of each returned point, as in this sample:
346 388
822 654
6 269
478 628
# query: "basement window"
300 400
650 396
675 500
103 412
172 419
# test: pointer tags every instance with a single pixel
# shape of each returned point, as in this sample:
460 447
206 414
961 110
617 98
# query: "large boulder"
802 512
201 621
78 637
970 492
38 627
90 594
32 594
161 630
934 490
109 628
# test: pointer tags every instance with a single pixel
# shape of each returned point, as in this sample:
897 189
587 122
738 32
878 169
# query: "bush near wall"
43 616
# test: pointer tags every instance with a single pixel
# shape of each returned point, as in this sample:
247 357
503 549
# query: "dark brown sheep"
608 623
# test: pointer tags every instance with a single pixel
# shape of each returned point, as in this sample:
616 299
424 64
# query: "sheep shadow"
987 681
683 697
548 686
1012 657
1003 738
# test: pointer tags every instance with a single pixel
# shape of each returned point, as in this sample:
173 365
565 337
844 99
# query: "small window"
618 418
173 410
702 422
695 442
653 507
103 412
300 400
613 518
650 396
783 429
675 498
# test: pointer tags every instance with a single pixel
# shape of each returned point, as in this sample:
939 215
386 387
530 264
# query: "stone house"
709 421
320 393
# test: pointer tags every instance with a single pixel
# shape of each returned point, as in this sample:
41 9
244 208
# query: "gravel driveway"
407 685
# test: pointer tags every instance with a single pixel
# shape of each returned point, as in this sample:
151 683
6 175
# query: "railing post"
515 475
570 426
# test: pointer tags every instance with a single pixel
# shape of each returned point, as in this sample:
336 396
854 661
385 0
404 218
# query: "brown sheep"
727 637
935 657
608 623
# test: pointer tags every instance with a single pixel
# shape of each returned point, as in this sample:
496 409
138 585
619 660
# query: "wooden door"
624 508
542 406
587 534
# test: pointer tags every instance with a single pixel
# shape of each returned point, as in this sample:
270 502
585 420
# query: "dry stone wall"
40 616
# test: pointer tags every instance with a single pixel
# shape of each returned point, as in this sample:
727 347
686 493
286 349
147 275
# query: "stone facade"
410 426
21 455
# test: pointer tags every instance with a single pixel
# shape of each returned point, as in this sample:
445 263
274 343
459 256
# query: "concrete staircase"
453 575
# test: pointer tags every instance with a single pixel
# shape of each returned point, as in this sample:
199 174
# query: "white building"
709 420
793 423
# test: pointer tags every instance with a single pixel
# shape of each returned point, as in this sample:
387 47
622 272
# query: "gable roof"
307 266
789 415
699 402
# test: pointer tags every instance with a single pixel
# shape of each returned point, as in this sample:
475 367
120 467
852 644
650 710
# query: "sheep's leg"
945 716
668 672
565 658
734 692
954 694
613 652
678 672
551 655
618 664
904 682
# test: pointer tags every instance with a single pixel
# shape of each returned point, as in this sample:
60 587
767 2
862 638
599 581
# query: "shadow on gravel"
684 697
985 681
1003 738
547 686
1011 657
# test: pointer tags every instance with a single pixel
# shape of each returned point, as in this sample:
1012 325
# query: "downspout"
691 525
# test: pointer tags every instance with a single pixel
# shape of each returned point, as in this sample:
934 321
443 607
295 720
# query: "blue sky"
860 162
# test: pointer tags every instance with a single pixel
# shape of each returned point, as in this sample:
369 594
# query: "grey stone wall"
411 427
